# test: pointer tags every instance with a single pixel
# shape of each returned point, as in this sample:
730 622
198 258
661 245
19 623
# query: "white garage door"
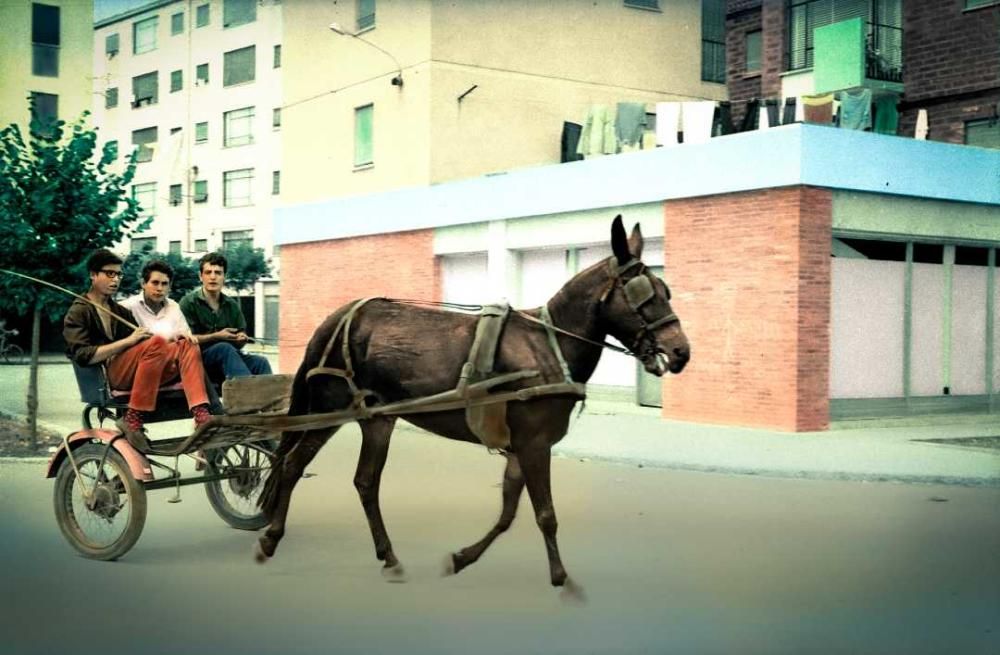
463 279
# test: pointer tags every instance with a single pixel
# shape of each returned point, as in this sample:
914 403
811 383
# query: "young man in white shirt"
152 307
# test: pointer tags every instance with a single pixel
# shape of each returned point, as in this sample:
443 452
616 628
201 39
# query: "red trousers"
146 366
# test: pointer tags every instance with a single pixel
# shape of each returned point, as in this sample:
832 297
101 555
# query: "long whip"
75 295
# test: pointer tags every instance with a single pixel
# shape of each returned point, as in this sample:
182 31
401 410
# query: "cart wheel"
13 354
108 524
234 499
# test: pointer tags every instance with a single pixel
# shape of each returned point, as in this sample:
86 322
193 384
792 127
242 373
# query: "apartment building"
195 87
419 92
45 53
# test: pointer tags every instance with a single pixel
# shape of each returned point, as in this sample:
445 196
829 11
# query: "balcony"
855 53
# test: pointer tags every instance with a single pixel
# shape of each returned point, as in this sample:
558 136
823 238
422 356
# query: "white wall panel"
928 330
543 273
968 330
464 278
866 328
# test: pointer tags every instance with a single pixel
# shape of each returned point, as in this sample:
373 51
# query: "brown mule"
401 351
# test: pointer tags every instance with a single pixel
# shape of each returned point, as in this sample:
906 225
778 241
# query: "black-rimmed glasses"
111 274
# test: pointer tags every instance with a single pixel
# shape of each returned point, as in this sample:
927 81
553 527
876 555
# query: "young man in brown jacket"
135 359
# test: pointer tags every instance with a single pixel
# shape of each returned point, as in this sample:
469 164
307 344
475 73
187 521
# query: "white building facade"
195 86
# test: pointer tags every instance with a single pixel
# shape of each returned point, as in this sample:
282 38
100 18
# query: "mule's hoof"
259 555
572 593
394 573
448 566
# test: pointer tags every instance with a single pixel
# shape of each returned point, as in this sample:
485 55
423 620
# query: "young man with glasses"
134 358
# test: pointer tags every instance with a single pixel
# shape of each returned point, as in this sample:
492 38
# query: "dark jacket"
84 332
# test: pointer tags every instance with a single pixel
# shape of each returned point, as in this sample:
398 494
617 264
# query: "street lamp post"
398 79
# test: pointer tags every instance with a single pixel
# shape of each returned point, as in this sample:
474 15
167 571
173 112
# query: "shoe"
138 438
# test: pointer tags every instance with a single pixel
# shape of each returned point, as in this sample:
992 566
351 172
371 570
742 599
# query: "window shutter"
239 66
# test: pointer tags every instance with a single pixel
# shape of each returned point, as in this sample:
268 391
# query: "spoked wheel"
234 499
102 512
13 354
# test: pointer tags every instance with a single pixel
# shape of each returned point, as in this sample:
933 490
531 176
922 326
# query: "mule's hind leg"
513 485
289 472
375 435
535 463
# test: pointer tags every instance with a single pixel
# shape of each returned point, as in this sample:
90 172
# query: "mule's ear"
619 243
635 242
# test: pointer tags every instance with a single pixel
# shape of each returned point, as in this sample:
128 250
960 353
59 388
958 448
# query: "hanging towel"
697 120
886 115
668 118
598 134
630 121
818 109
570 141
922 128
751 115
722 123
788 115
856 109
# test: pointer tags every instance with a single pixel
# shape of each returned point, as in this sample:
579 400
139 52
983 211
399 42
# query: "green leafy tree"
246 265
59 200
185 273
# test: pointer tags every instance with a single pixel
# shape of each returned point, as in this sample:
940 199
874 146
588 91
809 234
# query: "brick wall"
951 66
742 16
319 277
751 276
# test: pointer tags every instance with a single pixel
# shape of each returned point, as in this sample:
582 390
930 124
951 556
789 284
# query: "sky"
105 8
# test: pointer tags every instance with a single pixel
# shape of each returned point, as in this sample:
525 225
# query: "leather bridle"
638 291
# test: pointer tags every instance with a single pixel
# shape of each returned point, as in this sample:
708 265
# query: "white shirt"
168 323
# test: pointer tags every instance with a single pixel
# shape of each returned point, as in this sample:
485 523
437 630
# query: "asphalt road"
671 562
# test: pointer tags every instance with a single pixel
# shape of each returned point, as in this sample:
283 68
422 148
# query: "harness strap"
554 343
346 373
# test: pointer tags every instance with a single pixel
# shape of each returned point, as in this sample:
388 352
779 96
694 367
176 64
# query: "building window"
145 244
176 194
201 16
643 4
275 183
174 130
145 89
363 135
176 80
238 12
44 40
752 43
713 40
201 190
111 45
201 132
884 24
237 238
144 35
237 127
277 56
175 248
276 118
366 14
145 142
239 66
201 245
145 195
44 110
984 133
201 75
112 148
111 98
236 187
177 24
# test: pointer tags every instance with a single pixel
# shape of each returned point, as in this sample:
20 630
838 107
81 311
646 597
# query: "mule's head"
635 307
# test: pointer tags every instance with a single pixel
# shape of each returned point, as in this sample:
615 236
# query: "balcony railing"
884 53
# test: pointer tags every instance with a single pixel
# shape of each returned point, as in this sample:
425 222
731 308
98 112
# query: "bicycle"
10 353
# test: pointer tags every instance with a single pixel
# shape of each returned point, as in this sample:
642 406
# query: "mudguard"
137 462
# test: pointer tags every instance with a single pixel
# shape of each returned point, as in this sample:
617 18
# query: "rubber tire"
220 504
65 481
14 355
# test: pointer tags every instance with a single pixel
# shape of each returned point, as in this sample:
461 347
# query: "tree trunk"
36 337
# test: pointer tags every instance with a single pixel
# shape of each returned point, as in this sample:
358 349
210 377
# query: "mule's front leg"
513 485
535 464
375 435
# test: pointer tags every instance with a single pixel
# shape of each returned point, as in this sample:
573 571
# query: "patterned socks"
133 419
201 414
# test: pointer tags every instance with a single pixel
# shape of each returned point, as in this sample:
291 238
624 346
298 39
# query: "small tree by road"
58 202
246 265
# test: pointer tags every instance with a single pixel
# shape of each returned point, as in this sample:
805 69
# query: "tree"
185 273
246 265
58 202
